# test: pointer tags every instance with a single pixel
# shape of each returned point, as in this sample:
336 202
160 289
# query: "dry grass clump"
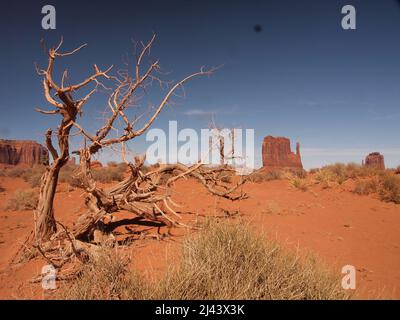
338 173
266 175
299 183
31 175
34 175
113 172
222 261
227 261
109 174
23 200
106 277
390 188
386 185
366 187
69 174
14 172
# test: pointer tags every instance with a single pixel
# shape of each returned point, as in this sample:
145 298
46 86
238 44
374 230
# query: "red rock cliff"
375 159
276 153
22 152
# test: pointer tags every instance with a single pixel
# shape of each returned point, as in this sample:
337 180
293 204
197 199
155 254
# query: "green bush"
23 200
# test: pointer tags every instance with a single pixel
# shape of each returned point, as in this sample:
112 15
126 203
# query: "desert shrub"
256 177
166 176
15 172
262 176
2 189
222 261
23 200
227 261
145 169
365 187
389 189
71 178
108 174
324 178
106 276
299 183
226 178
298 173
34 175
313 170
69 174
112 164
338 173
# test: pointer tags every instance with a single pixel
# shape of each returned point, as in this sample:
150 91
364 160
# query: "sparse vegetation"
108 174
31 175
2 189
386 185
223 261
299 183
339 173
14 172
23 200
390 188
366 187
68 174
34 175
263 176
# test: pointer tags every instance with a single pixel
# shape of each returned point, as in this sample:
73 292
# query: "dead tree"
142 194
60 96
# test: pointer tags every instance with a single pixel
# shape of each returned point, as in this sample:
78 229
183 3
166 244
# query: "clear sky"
299 74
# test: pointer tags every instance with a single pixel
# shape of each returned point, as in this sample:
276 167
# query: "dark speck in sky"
257 28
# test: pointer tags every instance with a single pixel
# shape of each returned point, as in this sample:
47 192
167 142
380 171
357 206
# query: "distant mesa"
22 152
376 160
276 153
95 165
71 162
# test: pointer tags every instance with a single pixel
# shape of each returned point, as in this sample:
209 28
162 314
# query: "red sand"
338 226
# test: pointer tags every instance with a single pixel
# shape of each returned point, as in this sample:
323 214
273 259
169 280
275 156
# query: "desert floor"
336 225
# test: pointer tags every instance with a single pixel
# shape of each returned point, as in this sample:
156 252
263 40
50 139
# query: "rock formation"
96 165
375 159
22 152
276 153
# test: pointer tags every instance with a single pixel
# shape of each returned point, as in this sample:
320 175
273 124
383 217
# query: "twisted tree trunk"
45 224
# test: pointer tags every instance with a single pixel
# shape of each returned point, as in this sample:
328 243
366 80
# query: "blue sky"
302 76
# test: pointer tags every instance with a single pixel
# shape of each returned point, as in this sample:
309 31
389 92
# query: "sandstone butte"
276 153
22 152
376 160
